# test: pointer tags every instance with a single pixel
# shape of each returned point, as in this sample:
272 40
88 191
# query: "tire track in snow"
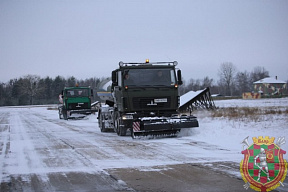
5 142
62 144
72 145
97 149
114 150
125 148
20 158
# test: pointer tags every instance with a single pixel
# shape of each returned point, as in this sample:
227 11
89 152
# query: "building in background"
270 86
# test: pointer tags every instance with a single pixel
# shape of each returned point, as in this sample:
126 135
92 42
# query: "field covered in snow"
34 141
263 117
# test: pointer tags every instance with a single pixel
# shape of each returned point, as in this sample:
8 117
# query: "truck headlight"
126 117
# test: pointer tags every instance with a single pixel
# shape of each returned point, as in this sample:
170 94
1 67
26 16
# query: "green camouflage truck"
75 102
144 99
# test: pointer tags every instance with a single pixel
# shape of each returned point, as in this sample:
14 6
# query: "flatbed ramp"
194 100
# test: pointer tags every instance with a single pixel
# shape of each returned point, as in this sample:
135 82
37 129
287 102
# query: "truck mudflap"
162 126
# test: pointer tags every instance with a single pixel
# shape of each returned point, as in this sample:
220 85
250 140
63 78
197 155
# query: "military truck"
75 102
144 99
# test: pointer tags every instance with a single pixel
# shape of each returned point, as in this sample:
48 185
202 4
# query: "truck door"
118 91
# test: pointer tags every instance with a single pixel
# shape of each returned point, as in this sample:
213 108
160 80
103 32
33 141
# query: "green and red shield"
277 167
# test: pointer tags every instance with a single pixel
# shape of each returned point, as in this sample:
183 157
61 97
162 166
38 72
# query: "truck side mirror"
180 82
114 78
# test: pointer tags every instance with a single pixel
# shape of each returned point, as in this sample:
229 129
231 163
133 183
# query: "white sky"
87 38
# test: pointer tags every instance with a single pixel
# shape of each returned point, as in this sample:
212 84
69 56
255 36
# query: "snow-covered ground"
34 140
229 133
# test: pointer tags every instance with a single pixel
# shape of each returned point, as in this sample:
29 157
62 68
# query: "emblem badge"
263 167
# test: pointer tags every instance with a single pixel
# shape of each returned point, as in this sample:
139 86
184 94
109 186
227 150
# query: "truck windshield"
149 77
77 93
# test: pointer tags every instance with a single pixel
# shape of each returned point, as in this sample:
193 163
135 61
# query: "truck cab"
148 89
75 100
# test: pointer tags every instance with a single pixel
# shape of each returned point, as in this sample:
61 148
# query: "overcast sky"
88 38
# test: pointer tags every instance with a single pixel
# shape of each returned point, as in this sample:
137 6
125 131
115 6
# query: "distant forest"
34 90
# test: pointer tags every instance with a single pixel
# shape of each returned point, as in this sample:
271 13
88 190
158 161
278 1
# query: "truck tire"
116 123
60 113
102 122
120 130
99 119
64 112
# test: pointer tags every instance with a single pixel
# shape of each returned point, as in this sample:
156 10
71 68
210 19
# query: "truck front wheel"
118 124
102 122
60 113
99 117
64 112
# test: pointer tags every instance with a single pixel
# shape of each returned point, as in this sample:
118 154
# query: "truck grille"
74 106
149 103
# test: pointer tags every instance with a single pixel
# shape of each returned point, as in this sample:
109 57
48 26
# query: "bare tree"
242 82
183 88
30 87
227 73
207 82
193 85
258 73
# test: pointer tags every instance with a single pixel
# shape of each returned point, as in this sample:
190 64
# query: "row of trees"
32 89
231 81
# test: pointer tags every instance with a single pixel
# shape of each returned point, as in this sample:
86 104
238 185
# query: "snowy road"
40 152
